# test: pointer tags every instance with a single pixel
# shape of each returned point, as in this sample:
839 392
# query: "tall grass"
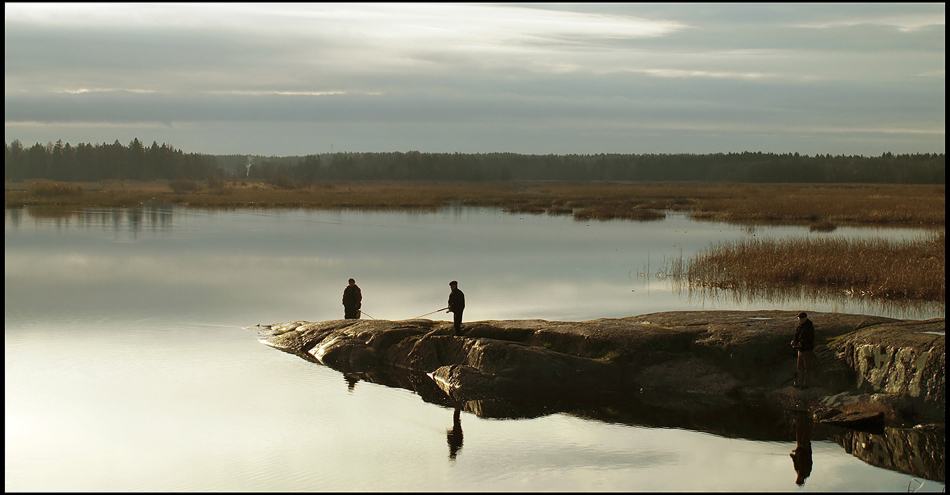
181 186
51 189
825 206
875 268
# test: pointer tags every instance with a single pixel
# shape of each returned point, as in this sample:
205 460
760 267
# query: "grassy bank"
872 268
821 206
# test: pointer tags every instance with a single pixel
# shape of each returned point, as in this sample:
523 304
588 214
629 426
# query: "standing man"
352 301
804 341
456 305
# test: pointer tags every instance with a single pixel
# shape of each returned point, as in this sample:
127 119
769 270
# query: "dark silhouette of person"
804 341
801 456
454 435
350 381
456 305
352 301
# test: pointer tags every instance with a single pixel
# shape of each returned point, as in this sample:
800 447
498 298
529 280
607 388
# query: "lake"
132 361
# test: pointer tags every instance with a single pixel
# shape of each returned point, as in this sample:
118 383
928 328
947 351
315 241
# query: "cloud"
903 22
379 66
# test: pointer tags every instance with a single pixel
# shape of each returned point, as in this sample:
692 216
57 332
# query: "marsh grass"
824 206
864 268
827 206
180 186
623 212
51 189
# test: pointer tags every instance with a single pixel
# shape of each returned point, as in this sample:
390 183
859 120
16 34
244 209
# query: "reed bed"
826 206
821 206
51 189
871 268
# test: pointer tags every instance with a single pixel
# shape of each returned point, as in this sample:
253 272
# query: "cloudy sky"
296 79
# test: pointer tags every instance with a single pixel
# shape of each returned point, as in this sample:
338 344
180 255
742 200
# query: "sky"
297 79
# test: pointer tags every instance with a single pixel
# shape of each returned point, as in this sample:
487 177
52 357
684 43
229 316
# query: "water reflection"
809 297
351 380
918 451
454 435
153 217
265 266
801 456
14 216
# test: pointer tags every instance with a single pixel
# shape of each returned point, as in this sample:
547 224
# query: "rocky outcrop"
899 358
689 360
723 372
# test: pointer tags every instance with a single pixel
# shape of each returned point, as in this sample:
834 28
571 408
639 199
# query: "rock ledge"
690 361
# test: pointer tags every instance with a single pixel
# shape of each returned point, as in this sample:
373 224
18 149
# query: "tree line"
94 162
88 162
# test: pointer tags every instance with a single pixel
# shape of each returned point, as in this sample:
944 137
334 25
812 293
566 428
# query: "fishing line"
366 314
429 313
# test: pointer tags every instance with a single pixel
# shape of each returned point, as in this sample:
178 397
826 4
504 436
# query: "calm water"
129 364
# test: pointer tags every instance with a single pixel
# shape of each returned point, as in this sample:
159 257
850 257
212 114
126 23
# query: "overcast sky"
297 79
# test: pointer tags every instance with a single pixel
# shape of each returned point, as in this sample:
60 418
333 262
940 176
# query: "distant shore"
818 206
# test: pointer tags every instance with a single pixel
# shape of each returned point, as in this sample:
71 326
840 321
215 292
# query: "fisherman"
456 305
352 301
804 341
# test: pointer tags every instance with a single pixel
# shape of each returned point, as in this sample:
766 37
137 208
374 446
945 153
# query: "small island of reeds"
861 268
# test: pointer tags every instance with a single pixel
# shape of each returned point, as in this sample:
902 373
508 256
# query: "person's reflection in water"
350 381
454 435
801 456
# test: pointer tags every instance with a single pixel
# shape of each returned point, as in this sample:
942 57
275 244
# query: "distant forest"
94 162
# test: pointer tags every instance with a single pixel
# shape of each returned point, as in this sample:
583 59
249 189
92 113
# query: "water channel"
131 362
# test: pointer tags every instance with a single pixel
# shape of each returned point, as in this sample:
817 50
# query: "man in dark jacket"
352 301
456 305
804 341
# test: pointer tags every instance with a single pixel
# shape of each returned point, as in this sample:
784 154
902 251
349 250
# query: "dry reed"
51 189
874 268
828 206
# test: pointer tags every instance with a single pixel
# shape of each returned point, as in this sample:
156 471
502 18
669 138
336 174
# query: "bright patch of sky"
295 79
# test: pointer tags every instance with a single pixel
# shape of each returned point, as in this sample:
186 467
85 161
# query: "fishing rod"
364 313
429 313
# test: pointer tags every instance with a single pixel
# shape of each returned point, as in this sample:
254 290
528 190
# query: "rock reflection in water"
915 451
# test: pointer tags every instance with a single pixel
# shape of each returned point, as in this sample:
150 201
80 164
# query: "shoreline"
821 207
